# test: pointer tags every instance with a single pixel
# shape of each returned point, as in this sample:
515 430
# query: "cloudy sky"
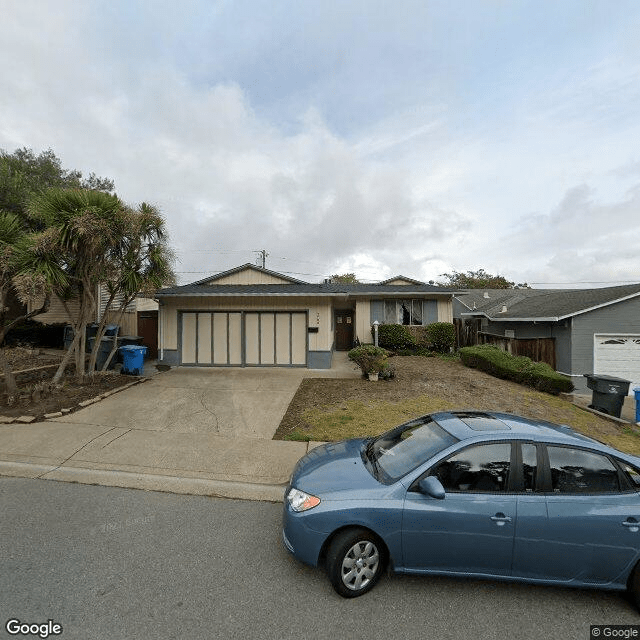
381 137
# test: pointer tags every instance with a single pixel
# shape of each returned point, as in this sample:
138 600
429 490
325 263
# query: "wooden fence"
466 331
538 349
468 334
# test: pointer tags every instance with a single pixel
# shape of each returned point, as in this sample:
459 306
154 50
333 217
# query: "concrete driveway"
231 402
189 430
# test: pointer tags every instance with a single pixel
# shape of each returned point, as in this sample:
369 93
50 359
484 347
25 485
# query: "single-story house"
595 330
251 316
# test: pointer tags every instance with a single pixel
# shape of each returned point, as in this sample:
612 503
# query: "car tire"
355 561
633 586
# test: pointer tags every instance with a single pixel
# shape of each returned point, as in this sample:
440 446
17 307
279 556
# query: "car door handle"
500 519
632 524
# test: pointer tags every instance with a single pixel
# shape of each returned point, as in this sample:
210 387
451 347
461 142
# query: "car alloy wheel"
355 562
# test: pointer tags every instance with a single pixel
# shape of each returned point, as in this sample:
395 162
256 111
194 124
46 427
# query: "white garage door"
277 338
619 356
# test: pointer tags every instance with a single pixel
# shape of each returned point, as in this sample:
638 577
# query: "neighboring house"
250 316
140 317
595 330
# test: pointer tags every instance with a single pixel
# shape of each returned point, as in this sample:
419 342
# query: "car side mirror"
431 486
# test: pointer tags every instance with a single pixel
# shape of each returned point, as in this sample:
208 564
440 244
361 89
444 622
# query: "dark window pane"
529 466
484 468
405 311
632 473
577 471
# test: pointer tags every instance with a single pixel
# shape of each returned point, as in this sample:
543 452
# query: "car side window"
478 469
579 471
632 474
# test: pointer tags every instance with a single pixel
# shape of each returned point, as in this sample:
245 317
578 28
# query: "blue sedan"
468 493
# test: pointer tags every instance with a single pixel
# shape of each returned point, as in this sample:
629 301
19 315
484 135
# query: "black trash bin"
106 344
608 393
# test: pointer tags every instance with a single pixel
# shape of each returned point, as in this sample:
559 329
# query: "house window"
403 312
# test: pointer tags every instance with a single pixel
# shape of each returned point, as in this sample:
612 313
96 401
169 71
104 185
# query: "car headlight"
301 501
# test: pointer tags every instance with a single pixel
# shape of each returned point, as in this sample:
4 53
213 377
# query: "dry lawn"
334 409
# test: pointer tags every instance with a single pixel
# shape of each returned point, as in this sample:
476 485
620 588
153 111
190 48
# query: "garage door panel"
283 338
252 338
204 338
299 338
235 339
619 356
267 338
220 338
189 326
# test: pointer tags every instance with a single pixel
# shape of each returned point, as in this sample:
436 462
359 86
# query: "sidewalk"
190 430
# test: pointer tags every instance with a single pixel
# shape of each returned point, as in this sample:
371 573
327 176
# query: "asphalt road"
119 563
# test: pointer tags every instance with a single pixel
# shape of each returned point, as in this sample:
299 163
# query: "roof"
402 278
520 305
244 267
293 287
302 289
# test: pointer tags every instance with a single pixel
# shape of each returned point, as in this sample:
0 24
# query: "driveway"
232 402
189 430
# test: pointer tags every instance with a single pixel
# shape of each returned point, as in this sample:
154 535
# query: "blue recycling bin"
132 359
636 391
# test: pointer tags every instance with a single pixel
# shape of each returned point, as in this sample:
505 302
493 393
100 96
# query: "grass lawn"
335 409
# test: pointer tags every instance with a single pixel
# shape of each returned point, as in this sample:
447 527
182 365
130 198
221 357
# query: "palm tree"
92 238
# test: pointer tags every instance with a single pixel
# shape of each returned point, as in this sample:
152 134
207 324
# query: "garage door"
244 338
618 355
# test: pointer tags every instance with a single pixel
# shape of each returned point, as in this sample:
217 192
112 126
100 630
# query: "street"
123 564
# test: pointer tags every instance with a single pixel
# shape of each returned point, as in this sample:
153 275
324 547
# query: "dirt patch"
36 397
332 409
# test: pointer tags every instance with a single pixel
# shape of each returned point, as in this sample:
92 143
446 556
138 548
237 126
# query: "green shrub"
441 336
395 337
521 369
370 359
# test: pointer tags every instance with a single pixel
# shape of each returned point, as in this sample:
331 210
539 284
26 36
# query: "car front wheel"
355 561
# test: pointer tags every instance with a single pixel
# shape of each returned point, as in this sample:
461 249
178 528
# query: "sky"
414 137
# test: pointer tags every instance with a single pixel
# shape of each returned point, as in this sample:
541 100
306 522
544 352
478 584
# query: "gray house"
595 330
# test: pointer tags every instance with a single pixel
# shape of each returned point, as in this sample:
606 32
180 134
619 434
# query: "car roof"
486 425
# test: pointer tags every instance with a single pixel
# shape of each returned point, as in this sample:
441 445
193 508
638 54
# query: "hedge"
395 337
521 369
441 336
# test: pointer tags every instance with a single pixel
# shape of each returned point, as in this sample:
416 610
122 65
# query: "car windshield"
397 452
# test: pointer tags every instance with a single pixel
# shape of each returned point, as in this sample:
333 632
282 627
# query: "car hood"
333 467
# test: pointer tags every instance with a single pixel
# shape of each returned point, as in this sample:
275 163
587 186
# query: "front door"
148 330
344 330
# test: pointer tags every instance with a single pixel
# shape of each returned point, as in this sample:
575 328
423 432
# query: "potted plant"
371 360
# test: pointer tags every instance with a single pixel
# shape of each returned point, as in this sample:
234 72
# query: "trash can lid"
605 378
132 347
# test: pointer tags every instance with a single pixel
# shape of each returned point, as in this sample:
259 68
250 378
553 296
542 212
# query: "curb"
146 482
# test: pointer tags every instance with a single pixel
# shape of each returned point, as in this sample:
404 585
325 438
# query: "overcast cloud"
414 137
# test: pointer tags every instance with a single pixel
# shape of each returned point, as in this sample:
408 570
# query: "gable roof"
401 278
245 267
519 305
